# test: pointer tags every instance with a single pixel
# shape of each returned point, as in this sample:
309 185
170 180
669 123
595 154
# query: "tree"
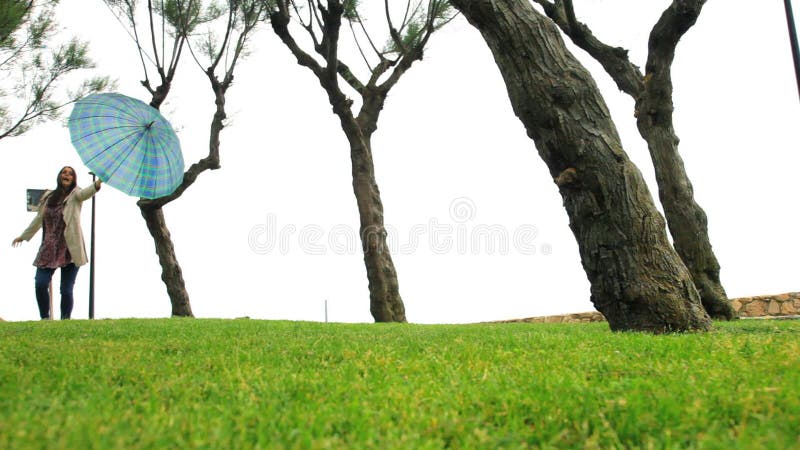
406 43
180 23
32 68
652 92
637 279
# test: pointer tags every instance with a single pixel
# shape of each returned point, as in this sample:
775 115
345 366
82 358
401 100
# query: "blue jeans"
43 277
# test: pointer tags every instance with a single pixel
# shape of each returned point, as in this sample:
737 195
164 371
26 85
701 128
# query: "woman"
62 244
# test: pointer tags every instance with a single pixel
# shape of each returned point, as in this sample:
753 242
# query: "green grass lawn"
182 383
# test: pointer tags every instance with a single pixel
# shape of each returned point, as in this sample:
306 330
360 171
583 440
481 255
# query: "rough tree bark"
637 280
171 273
153 215
652 92
385 304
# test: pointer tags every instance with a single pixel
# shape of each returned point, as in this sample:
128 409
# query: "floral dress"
53 252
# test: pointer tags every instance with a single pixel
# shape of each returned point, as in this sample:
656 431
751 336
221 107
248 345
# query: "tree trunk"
637 280
153 215
170 269
653 95
386 305
385 302
687 221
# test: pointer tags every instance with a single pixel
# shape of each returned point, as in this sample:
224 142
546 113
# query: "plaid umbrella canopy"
128 144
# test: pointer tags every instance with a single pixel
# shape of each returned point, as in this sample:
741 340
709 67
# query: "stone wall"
586 317
780 305
768 305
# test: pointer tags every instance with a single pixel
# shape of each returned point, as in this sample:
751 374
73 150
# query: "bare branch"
26 117
297 12
415 53
358 45
240 43
627 76
194 56
369 38
180 37
189 177
280 25
675 21
163 33
317 17
175 56
347 75
159 63
21 48
231 16
309 27
332 20
30 115
322 48
406 16
129 12
393 32
379 70
409 17
313 14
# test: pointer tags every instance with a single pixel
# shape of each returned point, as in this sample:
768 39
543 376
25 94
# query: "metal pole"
793 41
91 259
326 310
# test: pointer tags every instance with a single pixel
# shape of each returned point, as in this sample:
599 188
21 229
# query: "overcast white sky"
273 234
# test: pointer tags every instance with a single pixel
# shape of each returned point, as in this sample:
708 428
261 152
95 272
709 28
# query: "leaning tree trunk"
687 221
637 280
652 92
385 302
171 272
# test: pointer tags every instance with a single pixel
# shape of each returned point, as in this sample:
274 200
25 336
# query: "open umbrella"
128 144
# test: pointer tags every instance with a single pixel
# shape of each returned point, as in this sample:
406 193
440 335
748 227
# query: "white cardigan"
72 218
